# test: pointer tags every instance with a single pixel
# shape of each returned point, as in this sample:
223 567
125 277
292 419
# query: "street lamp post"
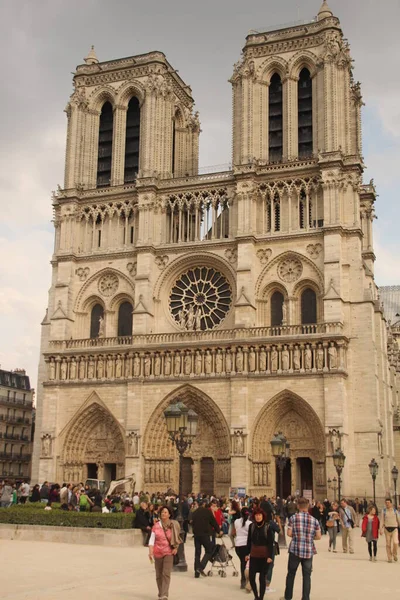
332 485
373 469
395 474
338 460
280 450
182 428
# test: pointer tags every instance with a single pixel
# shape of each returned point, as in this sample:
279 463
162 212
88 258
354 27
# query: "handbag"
330 523
175 556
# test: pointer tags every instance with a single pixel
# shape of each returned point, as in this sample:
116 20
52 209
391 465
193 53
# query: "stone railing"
235 359
183 337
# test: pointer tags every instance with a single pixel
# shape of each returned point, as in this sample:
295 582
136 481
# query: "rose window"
200 299
290 270
108 284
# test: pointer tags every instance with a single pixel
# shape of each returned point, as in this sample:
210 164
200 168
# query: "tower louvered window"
132 141
105 145
275 125
305 114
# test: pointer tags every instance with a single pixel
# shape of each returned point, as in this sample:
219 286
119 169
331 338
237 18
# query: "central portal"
207 476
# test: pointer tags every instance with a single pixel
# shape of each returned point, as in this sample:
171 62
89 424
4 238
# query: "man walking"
303 529
390 521
204 525
347 522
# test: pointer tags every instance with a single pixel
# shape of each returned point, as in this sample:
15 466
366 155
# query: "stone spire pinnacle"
91 58
324 11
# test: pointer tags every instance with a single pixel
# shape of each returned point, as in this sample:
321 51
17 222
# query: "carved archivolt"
291 414
93 436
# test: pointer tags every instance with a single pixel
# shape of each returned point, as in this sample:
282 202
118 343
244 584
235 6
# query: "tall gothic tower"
247 294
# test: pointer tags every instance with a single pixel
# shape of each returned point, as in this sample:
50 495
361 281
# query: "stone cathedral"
247 294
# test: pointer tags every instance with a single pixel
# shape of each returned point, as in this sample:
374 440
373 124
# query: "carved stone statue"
167 365
285 359
274 360
182 318
296 359
238 442
100 368
109 367
72 369
147 365
118 366
82 368
52 370
284 313
252 360
177 364
263 360
198 319
335 440
101 327
197 363
239 360
218 362
63 369
228 361
46 444
207 363
332 354
308 358
187 364
380 442
136 365
133 443
127 370
320 357
190 321
157 365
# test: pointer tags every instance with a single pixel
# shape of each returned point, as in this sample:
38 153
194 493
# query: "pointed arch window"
302 210
125 319
104 157
275 125
305 115
277 301
277 213
95 316
132 140
308 307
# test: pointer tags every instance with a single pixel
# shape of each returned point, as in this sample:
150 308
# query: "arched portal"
161 463
305 470
93 446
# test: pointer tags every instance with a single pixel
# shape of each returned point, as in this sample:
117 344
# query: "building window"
308 307
277 301
132 141
125 319
277 213
275 125
305 115
105 146
96 315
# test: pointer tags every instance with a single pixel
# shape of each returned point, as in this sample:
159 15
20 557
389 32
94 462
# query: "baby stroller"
221 560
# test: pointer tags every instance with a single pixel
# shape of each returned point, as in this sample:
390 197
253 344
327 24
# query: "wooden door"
187 475
207 476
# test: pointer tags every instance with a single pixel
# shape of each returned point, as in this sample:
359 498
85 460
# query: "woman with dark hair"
234 514
35 496
260 550
240 531
163 546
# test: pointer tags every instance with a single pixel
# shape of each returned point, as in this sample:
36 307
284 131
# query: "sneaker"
390 560
329 549
335 551
395 558
370 559
351 551
375 559
269 590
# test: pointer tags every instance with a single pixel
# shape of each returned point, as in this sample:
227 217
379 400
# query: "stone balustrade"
236 359
182 337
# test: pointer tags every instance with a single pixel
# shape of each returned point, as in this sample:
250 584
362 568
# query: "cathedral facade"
247 294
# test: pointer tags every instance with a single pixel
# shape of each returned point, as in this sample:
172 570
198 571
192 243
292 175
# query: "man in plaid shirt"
303 529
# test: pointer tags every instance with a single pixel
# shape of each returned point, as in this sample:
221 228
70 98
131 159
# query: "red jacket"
375 526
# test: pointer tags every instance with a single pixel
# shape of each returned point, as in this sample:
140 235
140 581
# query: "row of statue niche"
158 472
190 318
198 362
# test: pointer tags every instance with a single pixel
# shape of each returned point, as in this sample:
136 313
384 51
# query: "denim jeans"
306 565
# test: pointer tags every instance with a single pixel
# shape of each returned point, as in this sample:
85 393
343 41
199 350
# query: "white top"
241 532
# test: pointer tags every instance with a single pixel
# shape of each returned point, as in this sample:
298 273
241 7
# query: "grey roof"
390 296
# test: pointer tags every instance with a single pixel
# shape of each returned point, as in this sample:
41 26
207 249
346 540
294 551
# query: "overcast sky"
42 41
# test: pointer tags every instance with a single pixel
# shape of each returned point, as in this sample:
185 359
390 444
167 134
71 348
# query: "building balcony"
15 401
12 419
12 456
11 436
259 351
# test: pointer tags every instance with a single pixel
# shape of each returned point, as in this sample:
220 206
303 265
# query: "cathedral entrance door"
286 479
91 471
110 472
305 472
187 475
207 476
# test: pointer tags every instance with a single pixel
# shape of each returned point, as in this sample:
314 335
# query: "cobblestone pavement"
43 570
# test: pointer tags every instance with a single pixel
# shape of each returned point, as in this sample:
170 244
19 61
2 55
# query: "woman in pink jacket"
163 546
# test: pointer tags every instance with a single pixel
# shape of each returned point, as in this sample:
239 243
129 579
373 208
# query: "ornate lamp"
338 460
395 475
373 469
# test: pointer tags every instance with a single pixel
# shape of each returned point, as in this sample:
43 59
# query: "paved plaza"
42 570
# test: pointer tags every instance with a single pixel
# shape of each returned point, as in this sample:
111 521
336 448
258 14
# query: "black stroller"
221 560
